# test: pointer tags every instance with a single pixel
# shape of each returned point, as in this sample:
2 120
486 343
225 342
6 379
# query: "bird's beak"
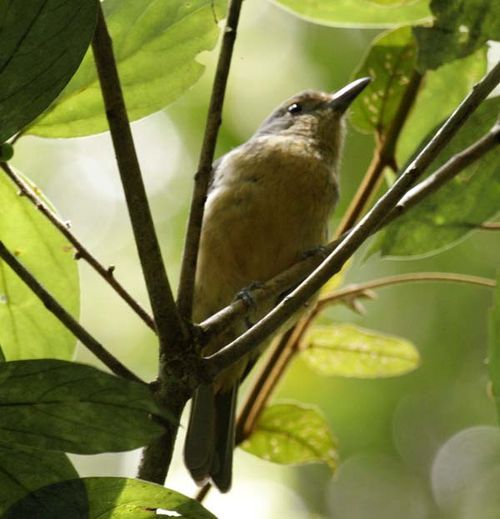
341 99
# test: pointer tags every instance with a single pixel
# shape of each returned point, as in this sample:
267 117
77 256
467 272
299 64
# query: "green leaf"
2 356
156 43
292 434
357 13
59 405
460 27
27 329
441 92
347 351
458 207
100 498
42 42
23 470
494 350
390 63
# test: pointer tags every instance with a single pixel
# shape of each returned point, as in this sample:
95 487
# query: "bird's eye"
295 108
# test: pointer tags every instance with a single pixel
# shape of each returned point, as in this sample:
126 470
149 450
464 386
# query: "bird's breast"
270 202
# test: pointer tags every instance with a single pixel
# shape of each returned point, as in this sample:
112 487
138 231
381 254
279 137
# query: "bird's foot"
320 250
245 294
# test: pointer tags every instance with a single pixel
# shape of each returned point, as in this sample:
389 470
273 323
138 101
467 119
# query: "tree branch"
81 252
383 157
202 177
168 323
367 225
66 319
446 172
415 277
179 371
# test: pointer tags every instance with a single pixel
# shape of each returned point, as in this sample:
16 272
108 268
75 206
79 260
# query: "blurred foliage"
494 350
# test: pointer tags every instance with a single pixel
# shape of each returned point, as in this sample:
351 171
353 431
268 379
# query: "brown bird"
269 202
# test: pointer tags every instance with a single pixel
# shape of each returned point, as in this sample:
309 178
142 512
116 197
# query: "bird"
269 203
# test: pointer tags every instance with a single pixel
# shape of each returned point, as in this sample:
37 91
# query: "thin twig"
489 226
446 172
65 318
168 323
415 277
202 177
366 226
81 251
383 157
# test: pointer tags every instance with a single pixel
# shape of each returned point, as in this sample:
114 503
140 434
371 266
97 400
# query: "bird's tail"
208 451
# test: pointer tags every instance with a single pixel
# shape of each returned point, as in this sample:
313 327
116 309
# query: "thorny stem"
203 174
67 319
81 251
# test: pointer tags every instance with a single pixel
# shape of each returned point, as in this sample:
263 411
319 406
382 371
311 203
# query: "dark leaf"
23 470
58 405
42 42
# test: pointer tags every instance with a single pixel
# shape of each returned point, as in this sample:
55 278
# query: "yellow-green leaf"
348 351
156 43
27 329
390 63
291 433
359 13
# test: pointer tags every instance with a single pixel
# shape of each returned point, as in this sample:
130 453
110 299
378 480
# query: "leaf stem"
81 251
65 318
203 174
